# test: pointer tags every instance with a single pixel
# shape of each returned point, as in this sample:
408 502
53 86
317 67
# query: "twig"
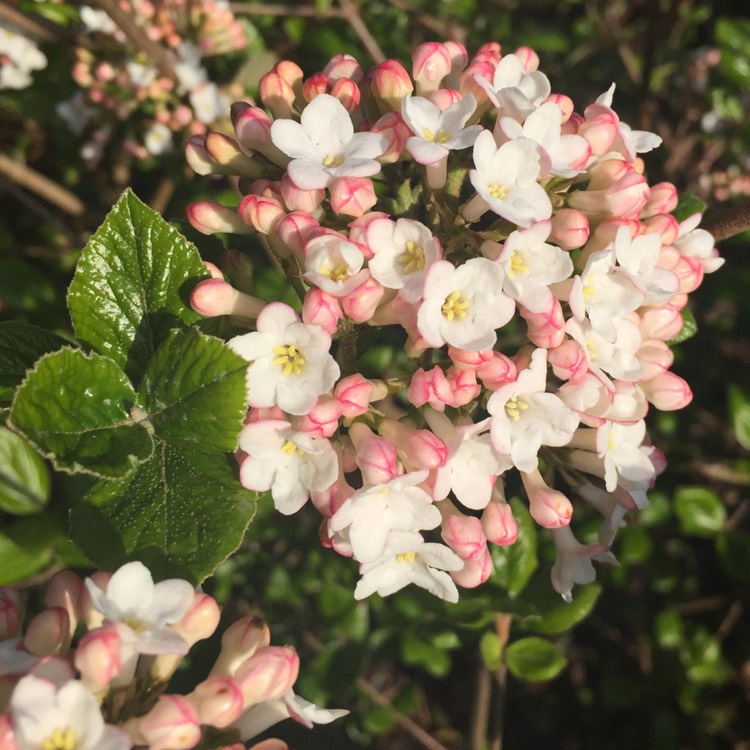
480 712
163 194
445 30
722 473
404 722
350 10
159 56
502 628
730 620
301 11
37 27
36 182
727 222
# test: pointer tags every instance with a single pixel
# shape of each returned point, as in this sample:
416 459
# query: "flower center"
455 306
591 346
340 273
514 407
588 288
135 624
333 160
517 265
413 259
497 191
409 557
289 447
440 137
60 739
289 358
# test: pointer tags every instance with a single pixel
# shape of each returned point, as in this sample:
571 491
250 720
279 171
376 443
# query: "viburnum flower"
323 145
290 363
638 257
334 264
45 716
693 242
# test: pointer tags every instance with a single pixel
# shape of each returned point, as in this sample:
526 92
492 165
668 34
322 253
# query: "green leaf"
733 37
21 345
491 649
689 328
739 412
515 563
699 511
534 659
24 479
28 546
194 392
75 409
434 660
733 549
132 284
556 615
669 629
687 206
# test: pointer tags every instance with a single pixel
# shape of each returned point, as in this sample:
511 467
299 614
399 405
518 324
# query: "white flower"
19 55
188 69
45 717
323 145
697 243
97 20
621 446
371 514
289 463
144 609
406 559
524 417
207 102
141 75
639 256
531 265
506 178
629 142
334 264
158 139
573 562
514 92
291 365
437 132
464 306
403 251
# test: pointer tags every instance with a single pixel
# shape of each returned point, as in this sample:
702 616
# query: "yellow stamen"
333 160
289 447
60 739
591 346
406 557
588 288
340 273
440 137
514 407
455 306
413 259
497 191
289 358
517 265
134 623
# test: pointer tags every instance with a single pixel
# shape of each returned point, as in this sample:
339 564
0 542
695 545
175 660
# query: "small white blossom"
625 456
629 142
19 55
334 264
573 561
514 92
694 242
639 256
158 139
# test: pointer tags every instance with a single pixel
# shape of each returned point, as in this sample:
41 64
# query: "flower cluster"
19 56
515 250
118 81
107 692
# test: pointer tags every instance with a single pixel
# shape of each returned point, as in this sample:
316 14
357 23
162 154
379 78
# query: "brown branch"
480 710
503 624
350 10
301 11
727 222
43 186
38 27
453 31
158 55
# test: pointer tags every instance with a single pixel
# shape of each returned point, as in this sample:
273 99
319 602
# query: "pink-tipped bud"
390 84
277 95
662 323
92 617
97 656
465 536
226 153
564 102
294 230
568 361
348 93
314 86
468 82
570 229
197 158
549 508
459 60
11 613
422 449
444 98
353 394
690 273
468 360
377 460
464 385
546 329
172 724
343 66
498 523
392 126
430 388
352 196
267 674
218 701
431 62
322 420
322 309
663 224
262 213
655 357
290 72
297 199
239 642
600 128
210 217
361 303
48 633
624 198
474 572
214 297
662 200
667 392
213 270
65 589
201 619
253 129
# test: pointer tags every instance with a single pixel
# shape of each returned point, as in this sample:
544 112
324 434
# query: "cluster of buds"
92 669
19 56
514 251
119 84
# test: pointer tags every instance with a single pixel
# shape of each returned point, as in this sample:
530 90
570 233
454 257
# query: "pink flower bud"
546 329
662 323
390 83
498 523
322 309
459 60
360 304
322 420
655 357
564 102
267 674
343 66
664 224
392 126
529 59
262 213
422 449
172 724
493 49
549 508
444 98
7 740
430 388
568 361
210 217
570 229
662 200
11 613
253 129
690 273
377 460
290 72
464 385
667 392
353 394
465 536
201 619
347 92
474 572
294 230
214 297
431 63
600 128
296 199
226 152
239 642
97 656
277 95
48 633
624 198
195 155
218 701
352 196
468 82
315 85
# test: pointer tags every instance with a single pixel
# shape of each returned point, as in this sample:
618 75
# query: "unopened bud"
277 95
214 297
431 62
667 392
568 360
392 126
172 724
348 93
240 641
570 229
464 535
262 213
294 230
210 217
352 196
662 323
48 633
662 200
498 523
475 571
545 329
267 674
390 84
361 303
97 656
343 66
227 154
218 701
353 394
11 613
314 86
